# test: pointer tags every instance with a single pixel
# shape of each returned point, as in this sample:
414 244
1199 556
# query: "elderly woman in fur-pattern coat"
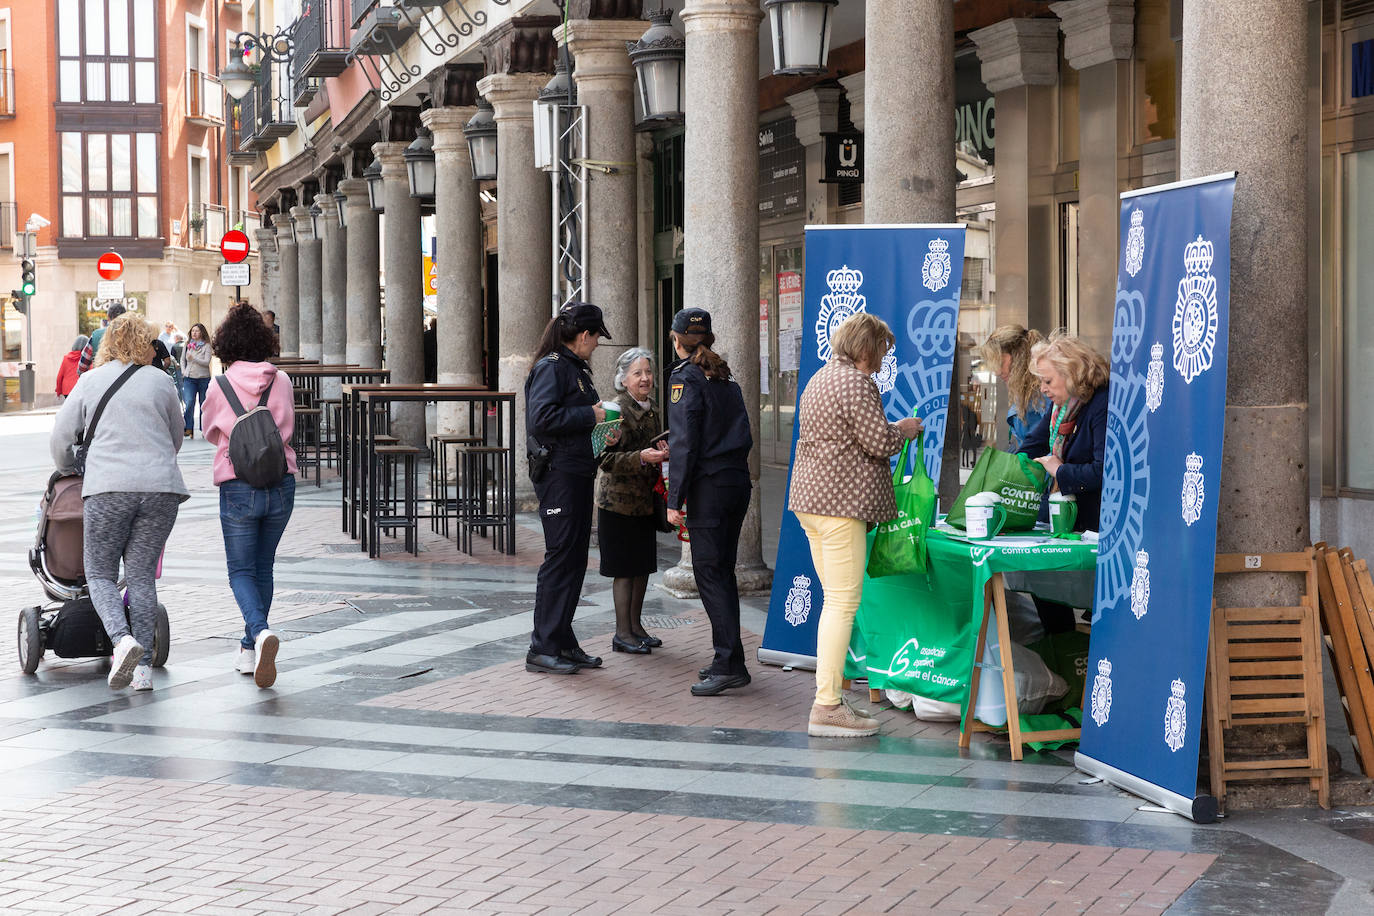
630 469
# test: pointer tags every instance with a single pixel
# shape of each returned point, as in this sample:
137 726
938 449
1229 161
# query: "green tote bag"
1016 478
899 546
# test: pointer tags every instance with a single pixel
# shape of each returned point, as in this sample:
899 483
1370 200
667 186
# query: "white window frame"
203 49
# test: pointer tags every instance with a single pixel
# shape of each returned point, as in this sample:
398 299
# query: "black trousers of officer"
565 509
715 514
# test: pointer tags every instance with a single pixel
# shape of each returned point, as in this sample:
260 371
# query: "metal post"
26 380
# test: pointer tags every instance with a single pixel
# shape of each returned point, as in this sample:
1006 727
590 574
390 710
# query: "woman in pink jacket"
252 518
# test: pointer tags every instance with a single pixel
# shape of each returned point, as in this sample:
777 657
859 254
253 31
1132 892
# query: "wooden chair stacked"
1264 669
1347 600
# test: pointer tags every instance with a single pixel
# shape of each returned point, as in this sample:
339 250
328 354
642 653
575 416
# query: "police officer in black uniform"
561 408
709 481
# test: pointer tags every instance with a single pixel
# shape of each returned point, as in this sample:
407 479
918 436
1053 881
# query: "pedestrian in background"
70 370
841 488
252 519
1007 352
131 488
195 377
269 317
92 348
709 482
561 409
625 521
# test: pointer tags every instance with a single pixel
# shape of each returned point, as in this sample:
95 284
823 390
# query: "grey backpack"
256 449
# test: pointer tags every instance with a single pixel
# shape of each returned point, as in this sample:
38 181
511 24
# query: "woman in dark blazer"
1070 441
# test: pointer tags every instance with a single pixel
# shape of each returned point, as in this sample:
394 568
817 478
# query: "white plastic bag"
1036 684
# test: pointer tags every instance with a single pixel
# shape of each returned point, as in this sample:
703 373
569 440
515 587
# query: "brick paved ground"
652 689
141 845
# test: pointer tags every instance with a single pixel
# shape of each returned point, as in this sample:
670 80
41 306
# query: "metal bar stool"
306 441
445 494
485 508
396 510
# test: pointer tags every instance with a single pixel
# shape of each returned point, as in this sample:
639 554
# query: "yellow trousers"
839 549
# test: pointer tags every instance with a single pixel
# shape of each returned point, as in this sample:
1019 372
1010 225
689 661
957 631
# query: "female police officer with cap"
709 477
561 408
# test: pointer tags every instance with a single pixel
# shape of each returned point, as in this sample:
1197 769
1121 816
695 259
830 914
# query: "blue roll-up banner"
910 277
1161 486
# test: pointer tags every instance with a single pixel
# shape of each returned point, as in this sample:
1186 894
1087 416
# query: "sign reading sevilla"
234 246
109 265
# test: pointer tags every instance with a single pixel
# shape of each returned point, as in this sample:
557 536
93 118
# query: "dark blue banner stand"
1152 609
909 276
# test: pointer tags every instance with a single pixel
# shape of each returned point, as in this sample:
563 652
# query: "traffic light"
21 305
28 279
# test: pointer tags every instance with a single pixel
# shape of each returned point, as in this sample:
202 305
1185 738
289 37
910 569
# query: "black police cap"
692 321
584 317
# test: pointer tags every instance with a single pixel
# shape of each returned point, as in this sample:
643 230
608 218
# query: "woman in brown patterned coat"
625 500
842 487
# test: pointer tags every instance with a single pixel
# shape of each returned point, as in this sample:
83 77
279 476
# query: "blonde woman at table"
841 488
1007 351
252 518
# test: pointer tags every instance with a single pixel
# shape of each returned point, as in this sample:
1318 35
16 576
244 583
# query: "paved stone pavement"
405 762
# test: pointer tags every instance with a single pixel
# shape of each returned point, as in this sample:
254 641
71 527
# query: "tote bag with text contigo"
899 546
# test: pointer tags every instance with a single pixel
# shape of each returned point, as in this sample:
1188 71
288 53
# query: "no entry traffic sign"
234 246
109 265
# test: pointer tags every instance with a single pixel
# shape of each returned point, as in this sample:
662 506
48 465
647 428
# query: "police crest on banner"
909 276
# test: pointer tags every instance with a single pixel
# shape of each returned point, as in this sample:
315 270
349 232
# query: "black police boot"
549 664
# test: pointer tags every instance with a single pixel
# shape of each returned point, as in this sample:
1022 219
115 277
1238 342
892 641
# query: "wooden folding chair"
1264 668
1349 660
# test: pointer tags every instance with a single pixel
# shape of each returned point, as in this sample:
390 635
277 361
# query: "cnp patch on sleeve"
677 393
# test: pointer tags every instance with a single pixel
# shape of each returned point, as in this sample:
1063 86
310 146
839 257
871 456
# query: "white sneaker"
245 663
143 678
127 654
265 655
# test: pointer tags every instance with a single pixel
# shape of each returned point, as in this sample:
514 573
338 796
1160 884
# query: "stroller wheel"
162 636
30 640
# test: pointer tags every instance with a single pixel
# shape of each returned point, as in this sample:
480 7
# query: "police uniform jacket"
710 429
559 395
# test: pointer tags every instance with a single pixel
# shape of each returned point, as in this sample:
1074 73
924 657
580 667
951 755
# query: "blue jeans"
191 389
253 521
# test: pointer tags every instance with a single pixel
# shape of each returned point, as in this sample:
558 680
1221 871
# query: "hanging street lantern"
548 116
659 58
801 35
375 197
419 158
481 136
341 203
316 223
236 78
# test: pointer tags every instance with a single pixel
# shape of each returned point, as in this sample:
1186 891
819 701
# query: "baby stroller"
69 627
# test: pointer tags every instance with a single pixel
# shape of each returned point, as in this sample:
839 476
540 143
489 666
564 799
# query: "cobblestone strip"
140 845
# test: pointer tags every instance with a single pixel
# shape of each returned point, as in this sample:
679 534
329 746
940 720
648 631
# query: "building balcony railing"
203 225
9 216
360 9
239 131
250 222
276 118
6 93
321 41
204 99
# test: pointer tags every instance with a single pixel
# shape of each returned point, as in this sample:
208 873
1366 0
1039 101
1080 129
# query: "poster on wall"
910 277
1152 606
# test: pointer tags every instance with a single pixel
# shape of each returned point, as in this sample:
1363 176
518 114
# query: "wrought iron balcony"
321 41
204 99
276 118
239 131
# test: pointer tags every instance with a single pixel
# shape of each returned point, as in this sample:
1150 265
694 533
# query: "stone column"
308 283
333 283
405 350
721 258
363 312
269 270
1244 104
909 141
1020 60
605 85
458 219
1098 38
817 112
909 173
287 287
523 244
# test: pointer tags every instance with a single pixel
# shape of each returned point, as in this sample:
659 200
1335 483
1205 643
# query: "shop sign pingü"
844 158
782 168
975 122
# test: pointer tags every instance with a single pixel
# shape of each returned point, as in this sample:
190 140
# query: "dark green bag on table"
899 546
1016 478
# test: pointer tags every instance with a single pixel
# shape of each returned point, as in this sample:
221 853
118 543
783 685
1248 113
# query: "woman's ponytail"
700 354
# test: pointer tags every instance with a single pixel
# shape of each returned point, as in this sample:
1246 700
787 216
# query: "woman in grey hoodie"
131 489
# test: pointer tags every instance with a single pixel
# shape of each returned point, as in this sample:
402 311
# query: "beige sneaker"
840 721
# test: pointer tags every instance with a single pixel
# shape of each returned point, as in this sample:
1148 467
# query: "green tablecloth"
916 633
